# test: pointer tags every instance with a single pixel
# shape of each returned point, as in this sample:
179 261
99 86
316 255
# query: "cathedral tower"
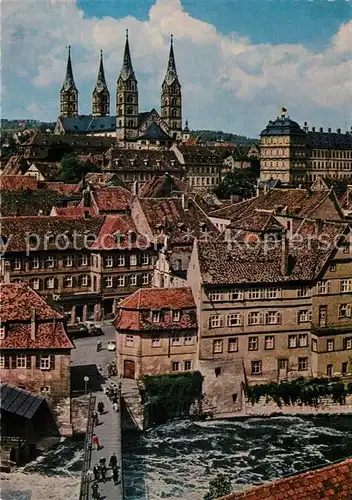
127 100
171 99
69 92
101 96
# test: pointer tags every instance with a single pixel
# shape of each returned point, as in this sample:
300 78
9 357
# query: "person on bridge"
96 473
113 461
101 407
103 471
115 407
96 442
95 491
115 475
95 418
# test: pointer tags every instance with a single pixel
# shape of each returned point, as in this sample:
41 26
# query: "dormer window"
159 228
2 331
176 315
118 238
156 316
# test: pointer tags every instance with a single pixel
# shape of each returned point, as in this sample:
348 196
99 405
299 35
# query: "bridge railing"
84 490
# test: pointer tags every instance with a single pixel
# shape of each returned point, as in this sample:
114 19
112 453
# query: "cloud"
228 82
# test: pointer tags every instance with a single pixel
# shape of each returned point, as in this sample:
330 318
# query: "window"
2 361
35 263
50 283
50 262
329 370
235 295
68 281
292 341
175 366
272 318
345 286
176 315
68 261
187 365
45 390
129 340
109 262
303 340
254 318
109 281
120 260
155 316
233 319
189 339
345 311
2 331
254 293
304 316
330 345
346 249
145 259
133 260
17 264
217 371
21 361
344 367
314 345
269 342
217 346
44 362
347 343
256 367
176 339
333 268
133 280
272 293
323 315
156 341
215 321
145 279
303 291
120 281
83 260
253 343
303 364
215 295
233 345
84 280
323 287
36 284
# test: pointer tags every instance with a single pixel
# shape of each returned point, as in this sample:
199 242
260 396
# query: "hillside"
212 135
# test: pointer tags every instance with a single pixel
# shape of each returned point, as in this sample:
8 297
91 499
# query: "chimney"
321 129
329 130
184 199
135 188
313 129
86 214
86 198
305 128
33 324
338 131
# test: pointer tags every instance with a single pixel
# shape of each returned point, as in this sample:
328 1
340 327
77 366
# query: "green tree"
219 487
73 169
241 181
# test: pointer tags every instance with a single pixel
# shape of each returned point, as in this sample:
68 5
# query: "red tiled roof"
112 199
134 311
329 483
76 212
17 165
18 182
257 221
17 301
124 225
61 187
163 186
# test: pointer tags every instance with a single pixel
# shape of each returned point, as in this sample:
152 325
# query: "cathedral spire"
127 68
69 82
101 82
171 72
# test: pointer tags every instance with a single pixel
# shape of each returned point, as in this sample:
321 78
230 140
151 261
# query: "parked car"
95 331
111 345
77 331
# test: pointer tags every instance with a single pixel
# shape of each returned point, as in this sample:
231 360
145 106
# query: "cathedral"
131 127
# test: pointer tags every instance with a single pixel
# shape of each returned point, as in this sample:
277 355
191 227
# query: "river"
178 459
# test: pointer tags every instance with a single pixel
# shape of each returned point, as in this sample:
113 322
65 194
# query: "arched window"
120 123
129 110
130 98
120 98
174 113
120 111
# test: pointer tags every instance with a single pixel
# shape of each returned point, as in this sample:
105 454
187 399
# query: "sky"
238 61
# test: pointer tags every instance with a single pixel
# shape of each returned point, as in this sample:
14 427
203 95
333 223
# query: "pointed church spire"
127 69
69 82
101 82
171 72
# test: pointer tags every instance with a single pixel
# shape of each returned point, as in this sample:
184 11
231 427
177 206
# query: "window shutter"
13 361
41 284
348 310
54 261
29 361
56 283
114 282
278 316
266 316
52 362
227 319
221 321
7 361
309 315
328 286
208 323
37 361
298 321
241 319
261 318
89 280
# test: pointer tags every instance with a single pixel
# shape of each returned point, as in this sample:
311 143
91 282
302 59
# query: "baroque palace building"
296 155
131 127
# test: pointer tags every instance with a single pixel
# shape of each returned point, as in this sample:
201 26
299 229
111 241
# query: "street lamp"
86 380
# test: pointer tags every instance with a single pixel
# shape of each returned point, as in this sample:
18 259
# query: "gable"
152 117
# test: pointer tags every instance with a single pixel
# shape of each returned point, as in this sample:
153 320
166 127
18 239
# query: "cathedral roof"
69 82
101 82
171 72
282 126
127 68
154 132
